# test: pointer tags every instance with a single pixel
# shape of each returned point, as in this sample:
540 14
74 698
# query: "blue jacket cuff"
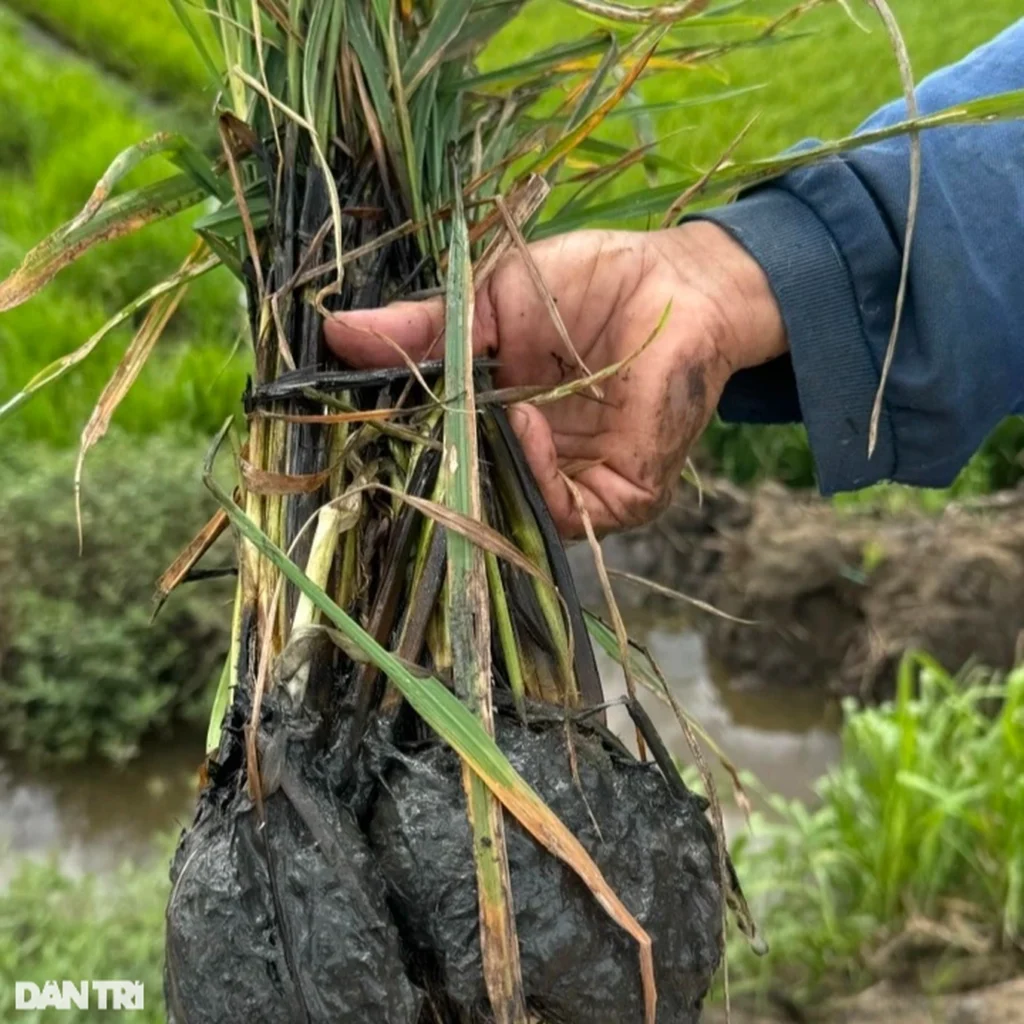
830 377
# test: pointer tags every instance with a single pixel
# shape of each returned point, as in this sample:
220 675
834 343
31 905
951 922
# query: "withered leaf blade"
121 216
264 482
128 370
176 573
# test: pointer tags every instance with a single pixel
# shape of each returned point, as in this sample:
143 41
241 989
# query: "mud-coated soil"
838 596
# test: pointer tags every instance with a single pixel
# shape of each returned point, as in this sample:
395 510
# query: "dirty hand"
625 451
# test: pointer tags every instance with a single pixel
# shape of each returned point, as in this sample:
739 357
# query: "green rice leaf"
221 702
382 10
443 29
374 72
414 185
181 10
120 216
319 64
613 151
539 66
226 221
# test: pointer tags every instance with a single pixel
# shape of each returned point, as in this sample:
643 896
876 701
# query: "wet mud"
345 889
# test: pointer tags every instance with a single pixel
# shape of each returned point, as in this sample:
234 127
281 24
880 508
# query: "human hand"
625 452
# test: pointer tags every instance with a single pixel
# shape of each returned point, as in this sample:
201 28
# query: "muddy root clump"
280 915
655 849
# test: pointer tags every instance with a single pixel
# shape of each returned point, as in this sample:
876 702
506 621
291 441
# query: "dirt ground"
886 1003
838 596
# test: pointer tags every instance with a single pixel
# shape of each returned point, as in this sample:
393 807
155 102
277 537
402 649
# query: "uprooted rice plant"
412 810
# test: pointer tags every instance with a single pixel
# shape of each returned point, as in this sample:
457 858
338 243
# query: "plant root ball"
284 923
658 853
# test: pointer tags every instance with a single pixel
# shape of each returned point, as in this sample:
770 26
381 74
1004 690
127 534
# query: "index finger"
356 337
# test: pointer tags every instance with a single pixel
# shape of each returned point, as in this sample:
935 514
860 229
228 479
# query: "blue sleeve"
830 239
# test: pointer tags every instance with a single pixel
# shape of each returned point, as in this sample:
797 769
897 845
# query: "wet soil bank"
887 1003
838 596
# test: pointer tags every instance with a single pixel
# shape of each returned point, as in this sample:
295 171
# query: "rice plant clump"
400 582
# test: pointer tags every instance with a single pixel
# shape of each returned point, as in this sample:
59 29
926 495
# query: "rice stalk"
469 618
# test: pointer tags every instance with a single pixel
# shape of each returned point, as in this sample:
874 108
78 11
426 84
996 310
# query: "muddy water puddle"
93 816
786 738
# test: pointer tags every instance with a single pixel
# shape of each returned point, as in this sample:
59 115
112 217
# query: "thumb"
357 337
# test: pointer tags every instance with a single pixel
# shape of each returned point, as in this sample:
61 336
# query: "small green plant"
53 927
923 815
82 668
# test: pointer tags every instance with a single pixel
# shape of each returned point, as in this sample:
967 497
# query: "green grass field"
63 122
141 42
70 110
822 85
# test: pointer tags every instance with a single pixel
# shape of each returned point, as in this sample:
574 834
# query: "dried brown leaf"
127 373
543 291
262 481
173 576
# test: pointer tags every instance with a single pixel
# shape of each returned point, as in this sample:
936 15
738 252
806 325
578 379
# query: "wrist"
737 289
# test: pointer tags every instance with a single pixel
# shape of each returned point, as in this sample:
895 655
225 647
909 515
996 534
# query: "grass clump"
361 161
82 670
54 927
919 829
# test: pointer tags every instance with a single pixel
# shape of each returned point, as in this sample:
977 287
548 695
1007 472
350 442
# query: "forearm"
829 239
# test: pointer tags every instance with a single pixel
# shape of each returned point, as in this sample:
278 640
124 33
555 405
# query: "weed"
922 819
